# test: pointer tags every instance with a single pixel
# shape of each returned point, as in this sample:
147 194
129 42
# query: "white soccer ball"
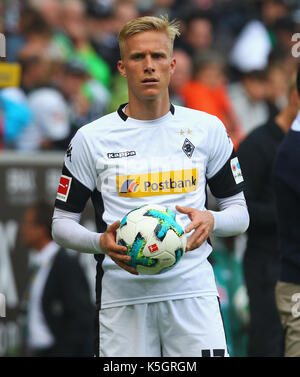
156 241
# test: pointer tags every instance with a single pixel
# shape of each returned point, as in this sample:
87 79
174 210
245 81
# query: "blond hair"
149 23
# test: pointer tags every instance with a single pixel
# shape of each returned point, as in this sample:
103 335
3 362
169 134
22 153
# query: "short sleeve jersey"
121 163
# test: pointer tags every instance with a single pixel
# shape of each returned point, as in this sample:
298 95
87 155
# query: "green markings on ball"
166 221
136 252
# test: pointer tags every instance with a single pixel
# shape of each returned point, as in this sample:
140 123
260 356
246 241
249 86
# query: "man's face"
211 75
183 71
257 89
72 84
30 231
147 64
200 34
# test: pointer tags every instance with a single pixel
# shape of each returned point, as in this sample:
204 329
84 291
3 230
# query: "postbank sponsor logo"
159 183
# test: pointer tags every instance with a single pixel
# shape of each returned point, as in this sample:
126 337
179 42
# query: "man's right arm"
67 232
77 183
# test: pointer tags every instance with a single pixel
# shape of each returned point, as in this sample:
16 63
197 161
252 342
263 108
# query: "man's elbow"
245 222
55 232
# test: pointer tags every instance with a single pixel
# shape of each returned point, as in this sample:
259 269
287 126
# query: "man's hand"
116 252
202 222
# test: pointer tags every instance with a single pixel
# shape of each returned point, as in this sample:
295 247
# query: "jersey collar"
124 117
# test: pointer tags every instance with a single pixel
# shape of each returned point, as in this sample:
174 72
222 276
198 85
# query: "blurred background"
235 59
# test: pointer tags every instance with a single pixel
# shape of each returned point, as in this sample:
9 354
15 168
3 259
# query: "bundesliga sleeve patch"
236 170
228 180
64 188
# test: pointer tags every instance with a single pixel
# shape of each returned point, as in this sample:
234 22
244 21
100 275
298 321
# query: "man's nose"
149 67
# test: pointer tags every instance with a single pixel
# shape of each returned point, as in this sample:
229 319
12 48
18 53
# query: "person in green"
72 42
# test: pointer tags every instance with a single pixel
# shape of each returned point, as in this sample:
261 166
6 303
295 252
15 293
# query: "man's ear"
173 64
121 68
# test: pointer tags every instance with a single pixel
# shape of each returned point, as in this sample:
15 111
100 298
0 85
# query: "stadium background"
27 175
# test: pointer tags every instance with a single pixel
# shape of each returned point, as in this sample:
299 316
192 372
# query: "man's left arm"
231 220
225 180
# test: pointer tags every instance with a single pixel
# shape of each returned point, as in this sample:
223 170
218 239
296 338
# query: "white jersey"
121 163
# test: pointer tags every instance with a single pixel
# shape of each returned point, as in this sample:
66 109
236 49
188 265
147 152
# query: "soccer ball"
155 240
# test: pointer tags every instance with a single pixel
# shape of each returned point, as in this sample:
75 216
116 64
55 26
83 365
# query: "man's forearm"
67 232
233 217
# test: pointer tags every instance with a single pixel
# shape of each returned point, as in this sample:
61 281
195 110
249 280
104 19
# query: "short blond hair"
149 23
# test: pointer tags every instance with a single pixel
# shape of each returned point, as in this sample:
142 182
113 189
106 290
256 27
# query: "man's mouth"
149 80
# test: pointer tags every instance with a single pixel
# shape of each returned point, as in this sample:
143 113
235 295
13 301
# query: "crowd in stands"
233 57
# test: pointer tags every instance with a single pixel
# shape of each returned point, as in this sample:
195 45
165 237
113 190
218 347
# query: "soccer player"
175 313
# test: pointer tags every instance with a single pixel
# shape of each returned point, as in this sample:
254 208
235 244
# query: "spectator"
261 259
258 36
254 37
207 92
50 126
182 74
73 42
35 29
102 33
286 182
49 10
1 126
32 31
105 21
87 99
1 18
249 99
164 7
16 116
281 67
277 82
230 17
123 11
60 313
284 28
198 33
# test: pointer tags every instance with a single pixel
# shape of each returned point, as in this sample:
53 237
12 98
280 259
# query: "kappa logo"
188 148
121 154
130 185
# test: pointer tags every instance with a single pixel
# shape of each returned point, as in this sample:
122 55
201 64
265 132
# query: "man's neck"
147 110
